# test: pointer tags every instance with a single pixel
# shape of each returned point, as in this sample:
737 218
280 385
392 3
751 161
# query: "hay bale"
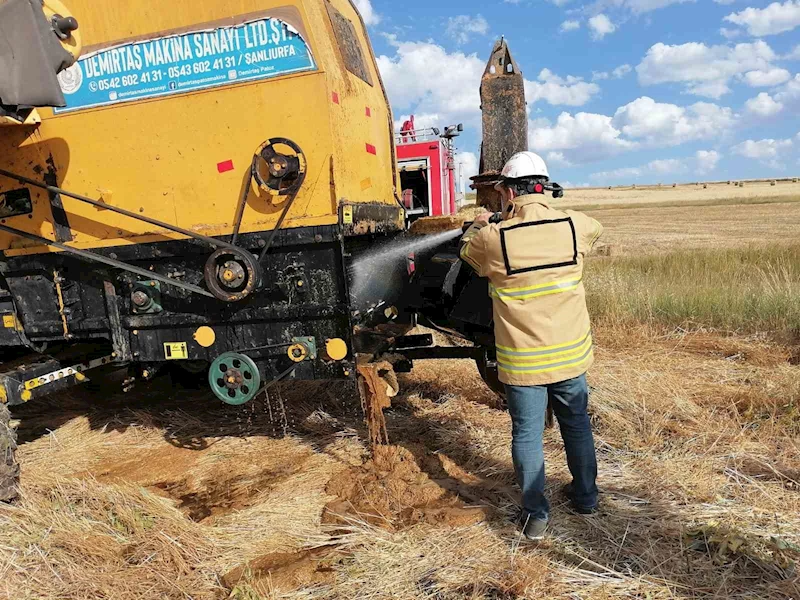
729 182
741 184
773 182
705 186
674 185
794 180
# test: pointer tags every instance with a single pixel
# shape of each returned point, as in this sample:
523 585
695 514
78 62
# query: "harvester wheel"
9 469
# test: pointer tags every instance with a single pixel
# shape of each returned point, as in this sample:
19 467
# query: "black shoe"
534 529
581 510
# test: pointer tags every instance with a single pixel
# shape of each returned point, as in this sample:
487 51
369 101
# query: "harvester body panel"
181 150
215 171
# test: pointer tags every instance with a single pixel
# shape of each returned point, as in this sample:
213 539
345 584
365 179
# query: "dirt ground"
663 228
167 494
681 193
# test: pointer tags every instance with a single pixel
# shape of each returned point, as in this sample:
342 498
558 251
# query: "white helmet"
525 164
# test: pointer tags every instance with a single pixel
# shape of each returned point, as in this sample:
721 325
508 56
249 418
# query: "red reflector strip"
225 166
335 98
372 149
369 111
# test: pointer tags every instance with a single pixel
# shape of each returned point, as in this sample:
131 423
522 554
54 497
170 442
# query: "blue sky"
618 91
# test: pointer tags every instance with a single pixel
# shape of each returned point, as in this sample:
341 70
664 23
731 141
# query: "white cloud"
557 159
423 78
710 89
767 152
703 162
643 123
768 78
621 71
581 138
367 12
775 18
555 90
618 73
789 94
570 25
763 105
600 26
660 124
639 7
725 2
664 166
707 160
623 173
704 70
469 164
464 27
730 34
794 54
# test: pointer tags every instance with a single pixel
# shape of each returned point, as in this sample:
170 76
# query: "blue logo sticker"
183 63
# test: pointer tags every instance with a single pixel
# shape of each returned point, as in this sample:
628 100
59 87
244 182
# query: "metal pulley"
234 378
279 167
232 274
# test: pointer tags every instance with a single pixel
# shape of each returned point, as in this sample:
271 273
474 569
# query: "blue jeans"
528 406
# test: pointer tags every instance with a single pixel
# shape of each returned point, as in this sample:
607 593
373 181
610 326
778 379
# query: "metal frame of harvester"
195 197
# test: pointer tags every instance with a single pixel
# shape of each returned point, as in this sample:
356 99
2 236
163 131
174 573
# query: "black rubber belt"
57 190
107 261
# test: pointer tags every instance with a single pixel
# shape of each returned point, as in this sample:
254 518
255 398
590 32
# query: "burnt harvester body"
505 121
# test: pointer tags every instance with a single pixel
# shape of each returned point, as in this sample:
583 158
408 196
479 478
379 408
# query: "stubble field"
695 401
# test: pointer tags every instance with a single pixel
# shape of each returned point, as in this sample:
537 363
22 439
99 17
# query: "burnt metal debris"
505 121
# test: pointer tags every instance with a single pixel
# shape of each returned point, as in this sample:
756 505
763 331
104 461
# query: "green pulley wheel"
234 378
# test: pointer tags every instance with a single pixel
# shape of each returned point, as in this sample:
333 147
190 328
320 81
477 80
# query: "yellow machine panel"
151 128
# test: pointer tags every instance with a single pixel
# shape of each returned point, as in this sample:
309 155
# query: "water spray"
371 270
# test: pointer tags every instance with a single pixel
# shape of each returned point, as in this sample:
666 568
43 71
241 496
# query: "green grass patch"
749 290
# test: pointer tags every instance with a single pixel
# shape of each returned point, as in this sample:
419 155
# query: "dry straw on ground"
170 495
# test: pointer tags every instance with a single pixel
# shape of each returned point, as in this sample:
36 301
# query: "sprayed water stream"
378 264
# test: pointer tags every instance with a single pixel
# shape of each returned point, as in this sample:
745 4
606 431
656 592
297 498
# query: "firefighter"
533 258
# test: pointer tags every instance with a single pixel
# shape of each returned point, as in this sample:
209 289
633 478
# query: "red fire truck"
426 158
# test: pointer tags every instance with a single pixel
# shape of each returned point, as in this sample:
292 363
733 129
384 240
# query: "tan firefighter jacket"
534 262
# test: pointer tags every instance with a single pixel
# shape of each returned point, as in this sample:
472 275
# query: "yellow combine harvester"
209 186
191 193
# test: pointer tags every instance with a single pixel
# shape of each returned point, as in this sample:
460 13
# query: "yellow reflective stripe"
464 254
564 346
534 291
538 286
544 359
555 289
549 367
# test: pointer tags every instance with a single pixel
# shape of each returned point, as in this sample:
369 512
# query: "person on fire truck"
533 259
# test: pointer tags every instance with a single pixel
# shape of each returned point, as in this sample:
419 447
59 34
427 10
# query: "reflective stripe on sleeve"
534 291
464 254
